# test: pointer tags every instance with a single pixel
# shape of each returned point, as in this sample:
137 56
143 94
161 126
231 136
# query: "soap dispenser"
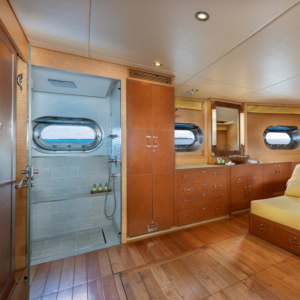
100 189
105 188
94 189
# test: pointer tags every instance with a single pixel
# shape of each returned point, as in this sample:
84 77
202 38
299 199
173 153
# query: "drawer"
255 179
262 229
201 175
189 201
239 181
286 240
150 225
196 188
201 213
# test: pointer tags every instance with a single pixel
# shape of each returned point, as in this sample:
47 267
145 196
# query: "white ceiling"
86 85
246 50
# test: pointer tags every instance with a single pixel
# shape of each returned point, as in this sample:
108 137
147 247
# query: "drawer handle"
187 190
215 174
188 215
261 228
239 181
188 176
254 179
219 208
152 227
217 186
294 242
218 196
188 201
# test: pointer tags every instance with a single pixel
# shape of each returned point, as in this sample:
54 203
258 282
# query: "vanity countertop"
197 166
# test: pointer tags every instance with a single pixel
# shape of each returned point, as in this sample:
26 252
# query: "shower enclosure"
75 203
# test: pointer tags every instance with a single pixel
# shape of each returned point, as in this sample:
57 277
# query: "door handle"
218 196
155 141
261 228
20 185
294 242
188 176
148 141
239 181
152 227
218 208
188 215
217 186
187 190
215 174
188 201
279 172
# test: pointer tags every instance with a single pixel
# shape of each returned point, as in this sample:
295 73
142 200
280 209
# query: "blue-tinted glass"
278 138
184 137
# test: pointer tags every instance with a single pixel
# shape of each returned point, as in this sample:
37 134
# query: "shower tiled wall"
66 177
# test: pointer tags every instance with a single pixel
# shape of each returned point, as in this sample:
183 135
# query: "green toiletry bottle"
94 189
223 160
100 189
105 188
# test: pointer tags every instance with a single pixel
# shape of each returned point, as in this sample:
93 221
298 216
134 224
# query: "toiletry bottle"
219 160
223 160
105 188
100 189
94 189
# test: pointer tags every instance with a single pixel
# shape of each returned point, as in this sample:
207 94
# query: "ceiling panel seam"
278 82
244 40
89 28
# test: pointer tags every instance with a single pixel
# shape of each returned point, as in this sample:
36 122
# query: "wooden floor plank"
20 291
226 232
242 218
138 287
192 266
127 287
49 297
135 254
258 289
115 260
200 233
218 235
67 274
167 287
152 286
109 288
175 250
157 254
233 293
237 227
199 290
119 286
247 292
95 291
223 272
188 239
32 272
162 247
80 292
80 272
221 296
181 286
292 264
276 286
104 263
65 294
39 280
93 271
181 245
53 279
125 256
145 252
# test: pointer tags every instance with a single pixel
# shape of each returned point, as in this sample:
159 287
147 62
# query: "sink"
239 159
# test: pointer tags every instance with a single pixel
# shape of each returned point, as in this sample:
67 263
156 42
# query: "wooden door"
8 58
163 150
270 180
239 197
284 174
256 191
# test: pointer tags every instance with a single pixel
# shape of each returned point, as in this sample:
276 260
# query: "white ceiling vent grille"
142 75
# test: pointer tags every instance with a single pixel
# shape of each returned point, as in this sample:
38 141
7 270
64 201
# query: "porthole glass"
188 137
281 137
57 135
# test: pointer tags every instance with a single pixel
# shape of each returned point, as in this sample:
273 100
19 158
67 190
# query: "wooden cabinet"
150 157
275 178
201 194
247 187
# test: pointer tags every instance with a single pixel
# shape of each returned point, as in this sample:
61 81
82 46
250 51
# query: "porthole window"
58 135
188 137
281 137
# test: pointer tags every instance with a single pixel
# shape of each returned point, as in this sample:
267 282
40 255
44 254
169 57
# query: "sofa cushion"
284 210
293 188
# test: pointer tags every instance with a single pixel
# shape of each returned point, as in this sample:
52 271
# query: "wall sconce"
242 129
214 127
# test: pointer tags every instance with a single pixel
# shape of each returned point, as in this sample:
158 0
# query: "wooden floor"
214 261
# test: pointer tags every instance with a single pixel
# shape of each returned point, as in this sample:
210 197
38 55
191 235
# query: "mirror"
226 129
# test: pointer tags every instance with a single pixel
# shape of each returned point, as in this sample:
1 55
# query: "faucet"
242 149
227 145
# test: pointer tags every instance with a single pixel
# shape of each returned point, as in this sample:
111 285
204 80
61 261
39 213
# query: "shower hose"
115 201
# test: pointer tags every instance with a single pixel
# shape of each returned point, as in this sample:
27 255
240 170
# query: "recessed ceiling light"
202 16
157 64
192 91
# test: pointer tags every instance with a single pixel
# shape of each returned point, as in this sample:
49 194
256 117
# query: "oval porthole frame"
199 137
40 124
290 130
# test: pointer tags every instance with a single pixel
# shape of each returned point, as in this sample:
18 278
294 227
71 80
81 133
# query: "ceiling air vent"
64 84
142 75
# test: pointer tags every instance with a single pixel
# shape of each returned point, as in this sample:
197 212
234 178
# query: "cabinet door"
162 195
139 151
140 198
239 197
284 174
270 179
256 192
139 104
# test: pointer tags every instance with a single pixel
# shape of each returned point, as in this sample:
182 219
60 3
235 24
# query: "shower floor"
79 242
